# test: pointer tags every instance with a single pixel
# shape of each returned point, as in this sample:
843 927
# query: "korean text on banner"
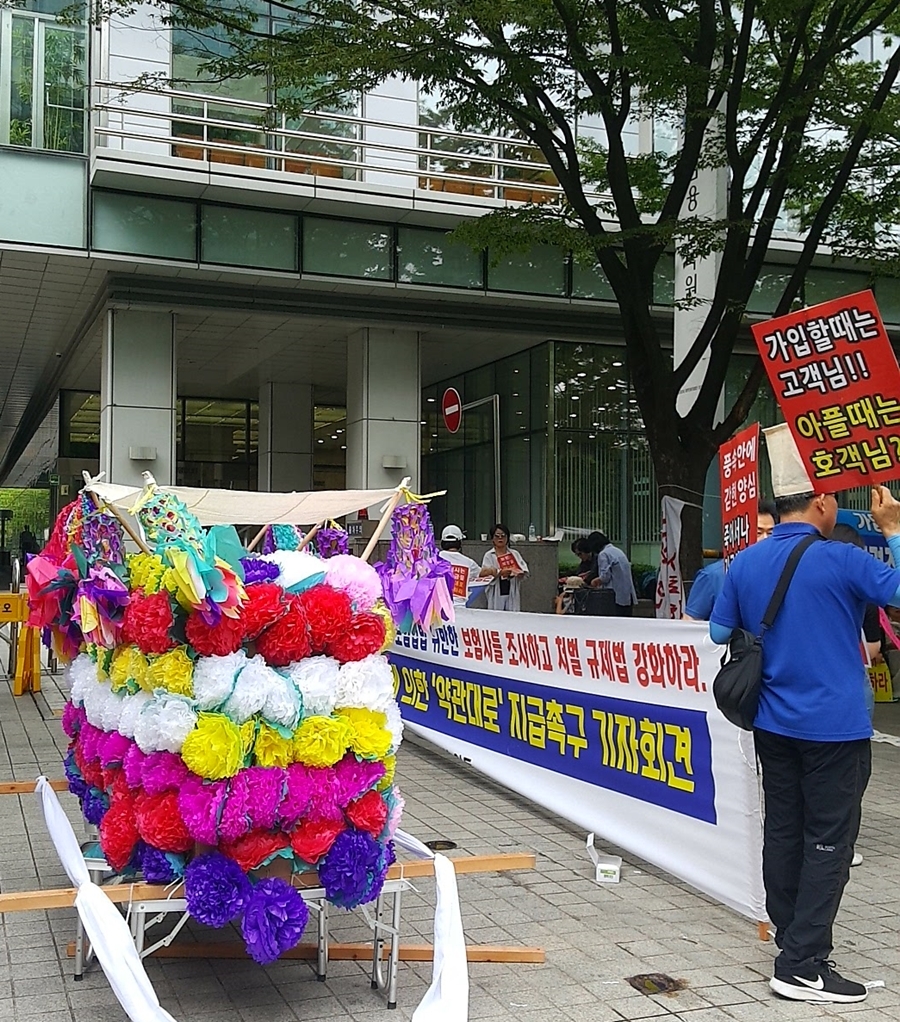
669 584
609 722
739 479
837 381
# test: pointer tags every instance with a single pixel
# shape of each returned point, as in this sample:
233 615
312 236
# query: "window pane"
887 292
330 447
79 426
823 285
431 257
215 431
346 248
21 89
542 271
248 237
140 225
513 376
768 289
64 89
664 280
590 282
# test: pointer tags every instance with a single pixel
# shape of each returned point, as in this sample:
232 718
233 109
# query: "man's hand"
885 511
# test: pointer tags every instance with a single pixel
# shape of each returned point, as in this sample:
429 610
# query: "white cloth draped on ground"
106 928
447 999
249 507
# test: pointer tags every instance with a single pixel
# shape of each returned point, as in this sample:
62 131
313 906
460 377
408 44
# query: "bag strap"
785 580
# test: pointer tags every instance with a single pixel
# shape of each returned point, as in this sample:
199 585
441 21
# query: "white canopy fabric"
249 507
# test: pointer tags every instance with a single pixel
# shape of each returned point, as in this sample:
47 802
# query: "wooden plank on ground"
361 952
64 897
27 787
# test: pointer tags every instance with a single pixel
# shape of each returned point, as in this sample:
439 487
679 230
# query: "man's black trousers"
813 799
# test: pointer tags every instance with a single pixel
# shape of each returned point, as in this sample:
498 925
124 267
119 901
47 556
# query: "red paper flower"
253 848
160 824
92 772
368 813
288 639
266 603
364 636
110 776
214 640
119 833
148 621
314 838
328 612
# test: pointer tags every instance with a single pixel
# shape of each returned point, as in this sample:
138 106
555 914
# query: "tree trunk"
681 473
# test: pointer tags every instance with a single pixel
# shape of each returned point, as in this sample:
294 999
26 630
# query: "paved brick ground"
594 936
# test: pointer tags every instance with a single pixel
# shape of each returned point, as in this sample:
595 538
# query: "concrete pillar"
286 437
138 396
383 408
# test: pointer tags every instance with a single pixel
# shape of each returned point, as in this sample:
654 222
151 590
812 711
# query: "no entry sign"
451 409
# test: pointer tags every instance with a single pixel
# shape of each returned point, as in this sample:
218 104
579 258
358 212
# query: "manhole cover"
656 983
441 845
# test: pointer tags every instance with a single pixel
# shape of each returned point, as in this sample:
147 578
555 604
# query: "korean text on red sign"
837 381
739 479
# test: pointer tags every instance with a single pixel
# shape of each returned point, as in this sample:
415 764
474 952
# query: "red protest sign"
739 481
836 379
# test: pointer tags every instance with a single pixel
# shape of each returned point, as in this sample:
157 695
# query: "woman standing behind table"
508 569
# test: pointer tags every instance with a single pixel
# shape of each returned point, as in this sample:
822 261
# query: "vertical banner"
837 381
739 480
670 587
609 722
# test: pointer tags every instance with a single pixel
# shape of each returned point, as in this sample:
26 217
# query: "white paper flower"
214 678
298 569
81 674
316 680
368 683
394 723
110 709
250 690
146 727
282 705
176 720
131 711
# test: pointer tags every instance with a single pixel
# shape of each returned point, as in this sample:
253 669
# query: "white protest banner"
669 586
609 722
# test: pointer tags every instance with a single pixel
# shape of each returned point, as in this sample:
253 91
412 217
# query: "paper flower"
266 603
297 793
283 704
274 920
316 680
328 612
100 601
255 849
74 776
173 671
119 834
200 804
265 791
148 622
145 572
94 805
164 723
248 696
160 824
219 639
72 719
298 569
331 542
132 711
288 639
323 803
258 569
215 889
350 869
272 749
368 813
353 777
113 749
234 821
129 669
369 738
314 838
356 577
133 765
368 683
390 626
160 867
82 675
215 748
321 741
362 637
214 678
162 771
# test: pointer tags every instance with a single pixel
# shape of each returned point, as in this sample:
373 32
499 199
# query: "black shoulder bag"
736 686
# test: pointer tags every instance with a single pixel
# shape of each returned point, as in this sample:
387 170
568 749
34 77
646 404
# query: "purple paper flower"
258 570
134 765
160 867
77 784
113 748
94 806
216 889
298 788
90 738
73 717
234 819
322 803
200 804
265 788
350 870
274 920
354 777
331 542
163 771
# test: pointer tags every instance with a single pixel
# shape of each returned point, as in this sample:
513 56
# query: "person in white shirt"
507 567
464 568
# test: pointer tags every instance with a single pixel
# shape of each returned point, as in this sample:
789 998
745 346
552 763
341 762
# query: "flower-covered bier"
232 719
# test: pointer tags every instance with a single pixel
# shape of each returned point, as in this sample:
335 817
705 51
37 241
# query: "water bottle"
532 535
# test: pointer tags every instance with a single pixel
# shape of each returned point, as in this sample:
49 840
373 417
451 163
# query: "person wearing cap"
708 581
812 728
465 569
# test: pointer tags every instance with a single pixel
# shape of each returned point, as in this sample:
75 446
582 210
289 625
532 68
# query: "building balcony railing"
220 130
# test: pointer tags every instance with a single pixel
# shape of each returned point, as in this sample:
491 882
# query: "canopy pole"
310 536
99 503
256 539
389 509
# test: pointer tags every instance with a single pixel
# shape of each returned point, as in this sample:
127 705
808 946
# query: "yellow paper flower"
173 671
248 736
271 750
215 748
369 738
128 665
321 741
145 571
390 629
390 768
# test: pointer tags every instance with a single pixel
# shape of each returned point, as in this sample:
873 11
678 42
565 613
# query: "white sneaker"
857 859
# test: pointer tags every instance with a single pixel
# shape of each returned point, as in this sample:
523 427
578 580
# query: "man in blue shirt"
708 581
812 729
